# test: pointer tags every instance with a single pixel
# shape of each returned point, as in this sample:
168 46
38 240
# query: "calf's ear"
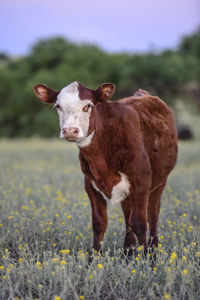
45 94
105 91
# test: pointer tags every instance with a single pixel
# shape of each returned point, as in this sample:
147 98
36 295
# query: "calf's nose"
70 132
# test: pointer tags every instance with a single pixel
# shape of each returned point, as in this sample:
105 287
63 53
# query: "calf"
127 148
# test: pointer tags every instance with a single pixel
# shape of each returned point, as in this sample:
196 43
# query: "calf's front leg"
99 214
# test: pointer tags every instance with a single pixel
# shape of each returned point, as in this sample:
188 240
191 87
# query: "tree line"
57 62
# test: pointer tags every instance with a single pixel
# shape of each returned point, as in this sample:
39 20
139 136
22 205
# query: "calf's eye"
86 107
57 106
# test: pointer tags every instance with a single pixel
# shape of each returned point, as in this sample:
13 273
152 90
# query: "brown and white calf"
127 149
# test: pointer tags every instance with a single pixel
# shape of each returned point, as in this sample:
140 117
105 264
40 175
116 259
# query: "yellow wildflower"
55 260
173 256
100 266
24 207
64 251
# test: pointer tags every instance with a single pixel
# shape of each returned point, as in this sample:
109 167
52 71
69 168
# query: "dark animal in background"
184 132
127 149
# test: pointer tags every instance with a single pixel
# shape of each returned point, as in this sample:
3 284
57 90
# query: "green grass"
44 209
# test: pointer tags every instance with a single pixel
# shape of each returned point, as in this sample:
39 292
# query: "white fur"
119 192
71 113
98 190
85 142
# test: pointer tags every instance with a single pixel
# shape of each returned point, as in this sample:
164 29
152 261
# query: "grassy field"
45 231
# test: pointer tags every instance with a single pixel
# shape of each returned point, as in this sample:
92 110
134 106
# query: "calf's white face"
73 112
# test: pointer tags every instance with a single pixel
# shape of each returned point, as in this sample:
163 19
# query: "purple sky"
115 25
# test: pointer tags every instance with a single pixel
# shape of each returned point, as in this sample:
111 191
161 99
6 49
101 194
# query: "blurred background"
148 44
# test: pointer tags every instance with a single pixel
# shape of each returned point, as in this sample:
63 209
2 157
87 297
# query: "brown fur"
136 136
45 94
103 93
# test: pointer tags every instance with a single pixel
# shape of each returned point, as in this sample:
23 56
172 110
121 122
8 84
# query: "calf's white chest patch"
119 192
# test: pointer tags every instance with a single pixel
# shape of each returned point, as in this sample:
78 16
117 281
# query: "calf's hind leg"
139 218
129 240
153 214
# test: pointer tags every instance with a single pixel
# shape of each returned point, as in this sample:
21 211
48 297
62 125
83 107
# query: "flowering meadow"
46 233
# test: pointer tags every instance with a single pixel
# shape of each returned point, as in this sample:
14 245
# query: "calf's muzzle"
70 133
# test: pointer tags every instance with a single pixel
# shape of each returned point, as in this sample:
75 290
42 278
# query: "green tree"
57 62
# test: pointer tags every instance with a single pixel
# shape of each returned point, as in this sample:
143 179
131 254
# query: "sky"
114 25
